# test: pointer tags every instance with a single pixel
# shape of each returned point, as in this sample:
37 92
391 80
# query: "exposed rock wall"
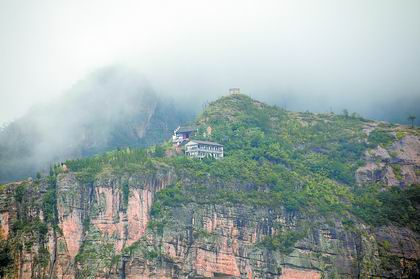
87 215
105 230
396 165
4 225
222 242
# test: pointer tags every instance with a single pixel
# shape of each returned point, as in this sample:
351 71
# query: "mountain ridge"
296 195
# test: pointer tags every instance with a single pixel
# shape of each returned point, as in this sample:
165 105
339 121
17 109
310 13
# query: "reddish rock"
139 205
4 225
292 273
72 229
209 264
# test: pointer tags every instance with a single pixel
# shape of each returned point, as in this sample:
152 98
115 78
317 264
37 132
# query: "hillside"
298 195
110 108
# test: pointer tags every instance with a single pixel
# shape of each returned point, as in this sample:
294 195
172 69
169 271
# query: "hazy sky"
314 53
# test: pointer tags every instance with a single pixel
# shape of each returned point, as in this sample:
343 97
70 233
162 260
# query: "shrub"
380 137
283 242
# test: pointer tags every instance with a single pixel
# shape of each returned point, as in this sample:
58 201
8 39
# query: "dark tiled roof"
206 142
186 129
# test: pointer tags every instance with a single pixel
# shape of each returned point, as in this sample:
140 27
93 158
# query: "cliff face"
99 234
274 207
94 223
218 241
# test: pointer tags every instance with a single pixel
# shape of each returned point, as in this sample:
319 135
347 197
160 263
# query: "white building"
183 134
234 91
201 149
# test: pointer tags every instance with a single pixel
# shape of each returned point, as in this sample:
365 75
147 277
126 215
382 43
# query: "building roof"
185 129
205 142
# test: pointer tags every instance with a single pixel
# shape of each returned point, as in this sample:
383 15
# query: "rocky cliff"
263 213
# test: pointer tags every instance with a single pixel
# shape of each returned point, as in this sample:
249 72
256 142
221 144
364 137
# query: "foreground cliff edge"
298 195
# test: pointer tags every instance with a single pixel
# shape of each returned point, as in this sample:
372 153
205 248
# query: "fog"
322 55
111 108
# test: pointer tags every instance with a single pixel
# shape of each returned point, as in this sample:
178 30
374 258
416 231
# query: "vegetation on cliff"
301 161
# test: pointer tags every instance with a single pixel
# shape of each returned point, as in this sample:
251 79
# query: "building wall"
202 151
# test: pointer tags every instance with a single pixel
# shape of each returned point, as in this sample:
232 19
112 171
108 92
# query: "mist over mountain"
111 108
117 106
300 54
393 108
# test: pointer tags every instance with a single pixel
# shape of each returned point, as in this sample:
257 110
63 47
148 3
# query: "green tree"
6 260
412 117
159 151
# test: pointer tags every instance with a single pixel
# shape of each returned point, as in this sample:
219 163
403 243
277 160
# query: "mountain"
111 108
297 195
